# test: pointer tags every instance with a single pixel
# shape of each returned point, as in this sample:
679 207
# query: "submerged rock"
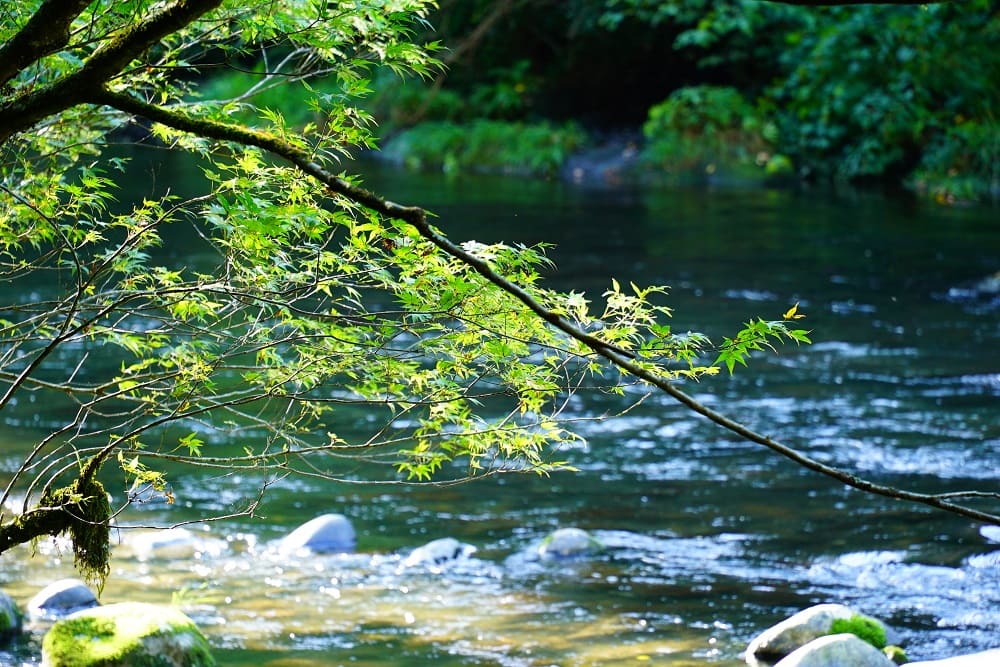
328 533
985 659
60 599
128 634
569 543
439 552
167 543
991 533
796 631
842 650
10 616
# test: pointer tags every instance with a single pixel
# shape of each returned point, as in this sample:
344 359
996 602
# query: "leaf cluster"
283 320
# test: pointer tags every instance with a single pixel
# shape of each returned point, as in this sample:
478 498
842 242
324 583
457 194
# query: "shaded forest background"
708 89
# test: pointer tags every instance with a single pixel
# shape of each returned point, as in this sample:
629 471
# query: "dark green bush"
705 127
487 146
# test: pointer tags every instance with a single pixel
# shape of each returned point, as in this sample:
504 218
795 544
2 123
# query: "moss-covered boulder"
128 634
798 630
10 617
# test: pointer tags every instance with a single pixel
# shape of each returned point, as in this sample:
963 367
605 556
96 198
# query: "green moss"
863 627
90 529
10 616
896 654
133 634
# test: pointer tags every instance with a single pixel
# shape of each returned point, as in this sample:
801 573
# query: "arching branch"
417 217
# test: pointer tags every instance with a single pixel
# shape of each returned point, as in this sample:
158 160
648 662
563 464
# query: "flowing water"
709 539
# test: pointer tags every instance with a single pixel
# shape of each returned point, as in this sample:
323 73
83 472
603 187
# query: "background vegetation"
871 93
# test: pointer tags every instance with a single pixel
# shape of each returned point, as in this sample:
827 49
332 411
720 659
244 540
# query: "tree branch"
417 217
47 31
36 523
24 111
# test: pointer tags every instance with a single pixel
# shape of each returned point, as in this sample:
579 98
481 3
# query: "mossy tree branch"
81 509
27 109
47 31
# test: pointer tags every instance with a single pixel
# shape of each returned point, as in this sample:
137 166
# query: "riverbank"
568 152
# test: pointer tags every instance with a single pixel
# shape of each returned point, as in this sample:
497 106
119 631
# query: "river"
709 539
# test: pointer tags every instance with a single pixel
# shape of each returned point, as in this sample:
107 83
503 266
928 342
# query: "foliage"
866 92
920 92
703 127
485 145
863 627
756 335
282 320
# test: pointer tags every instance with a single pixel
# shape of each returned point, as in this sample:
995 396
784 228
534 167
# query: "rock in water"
60 599
170 543
778 641
439 552
129 634
991 533
10 616
328 533
569 543
836 651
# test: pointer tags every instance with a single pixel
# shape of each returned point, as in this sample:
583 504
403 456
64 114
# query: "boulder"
439 552
60 599
168 543
991 533
985 659
128 634
841 650
778 641
569 543
328 533
10 616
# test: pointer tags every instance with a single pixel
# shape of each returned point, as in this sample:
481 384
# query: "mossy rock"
128 634
896 654
10 617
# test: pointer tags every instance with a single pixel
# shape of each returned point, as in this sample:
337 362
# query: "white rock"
439 552
568 543
992 533
328 533
59 599
796 631
168 543
985 659
842 650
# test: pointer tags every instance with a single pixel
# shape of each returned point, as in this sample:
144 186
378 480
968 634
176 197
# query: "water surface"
710 539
